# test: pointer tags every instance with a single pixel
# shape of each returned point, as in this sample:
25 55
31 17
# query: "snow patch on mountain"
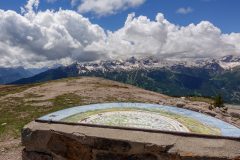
224 63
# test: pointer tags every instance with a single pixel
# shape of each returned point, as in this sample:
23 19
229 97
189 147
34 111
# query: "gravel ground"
11 150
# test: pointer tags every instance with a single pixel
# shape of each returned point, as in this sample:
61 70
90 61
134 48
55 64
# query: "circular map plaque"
144 116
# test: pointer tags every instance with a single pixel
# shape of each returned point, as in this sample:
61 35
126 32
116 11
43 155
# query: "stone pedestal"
45 141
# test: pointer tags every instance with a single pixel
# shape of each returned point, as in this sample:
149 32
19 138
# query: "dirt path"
11 150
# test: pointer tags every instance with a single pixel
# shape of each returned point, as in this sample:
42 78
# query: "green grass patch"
15 112
201 99
12 89
67 100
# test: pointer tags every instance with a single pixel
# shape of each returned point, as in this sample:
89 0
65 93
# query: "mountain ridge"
201 77
8 75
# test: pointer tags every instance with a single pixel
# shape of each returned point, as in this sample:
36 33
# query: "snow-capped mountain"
224 63
201 77
229 62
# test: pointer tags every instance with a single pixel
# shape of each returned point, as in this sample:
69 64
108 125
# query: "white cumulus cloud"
36 39
45 37
142 37
30 6
106 7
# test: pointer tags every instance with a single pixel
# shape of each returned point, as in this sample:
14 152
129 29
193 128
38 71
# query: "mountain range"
8 75
174 77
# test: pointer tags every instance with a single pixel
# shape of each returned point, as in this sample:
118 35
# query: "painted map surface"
145 116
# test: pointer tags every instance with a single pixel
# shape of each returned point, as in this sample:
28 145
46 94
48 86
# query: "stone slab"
63 142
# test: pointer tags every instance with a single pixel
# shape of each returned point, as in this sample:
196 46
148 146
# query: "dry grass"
22 104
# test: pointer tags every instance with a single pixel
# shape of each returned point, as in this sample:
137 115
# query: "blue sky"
225 14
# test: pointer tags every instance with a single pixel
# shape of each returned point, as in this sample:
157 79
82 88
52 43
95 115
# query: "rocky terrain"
22 104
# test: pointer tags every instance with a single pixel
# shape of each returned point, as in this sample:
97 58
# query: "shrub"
218 101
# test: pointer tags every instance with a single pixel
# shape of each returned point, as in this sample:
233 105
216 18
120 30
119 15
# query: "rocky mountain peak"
133 63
